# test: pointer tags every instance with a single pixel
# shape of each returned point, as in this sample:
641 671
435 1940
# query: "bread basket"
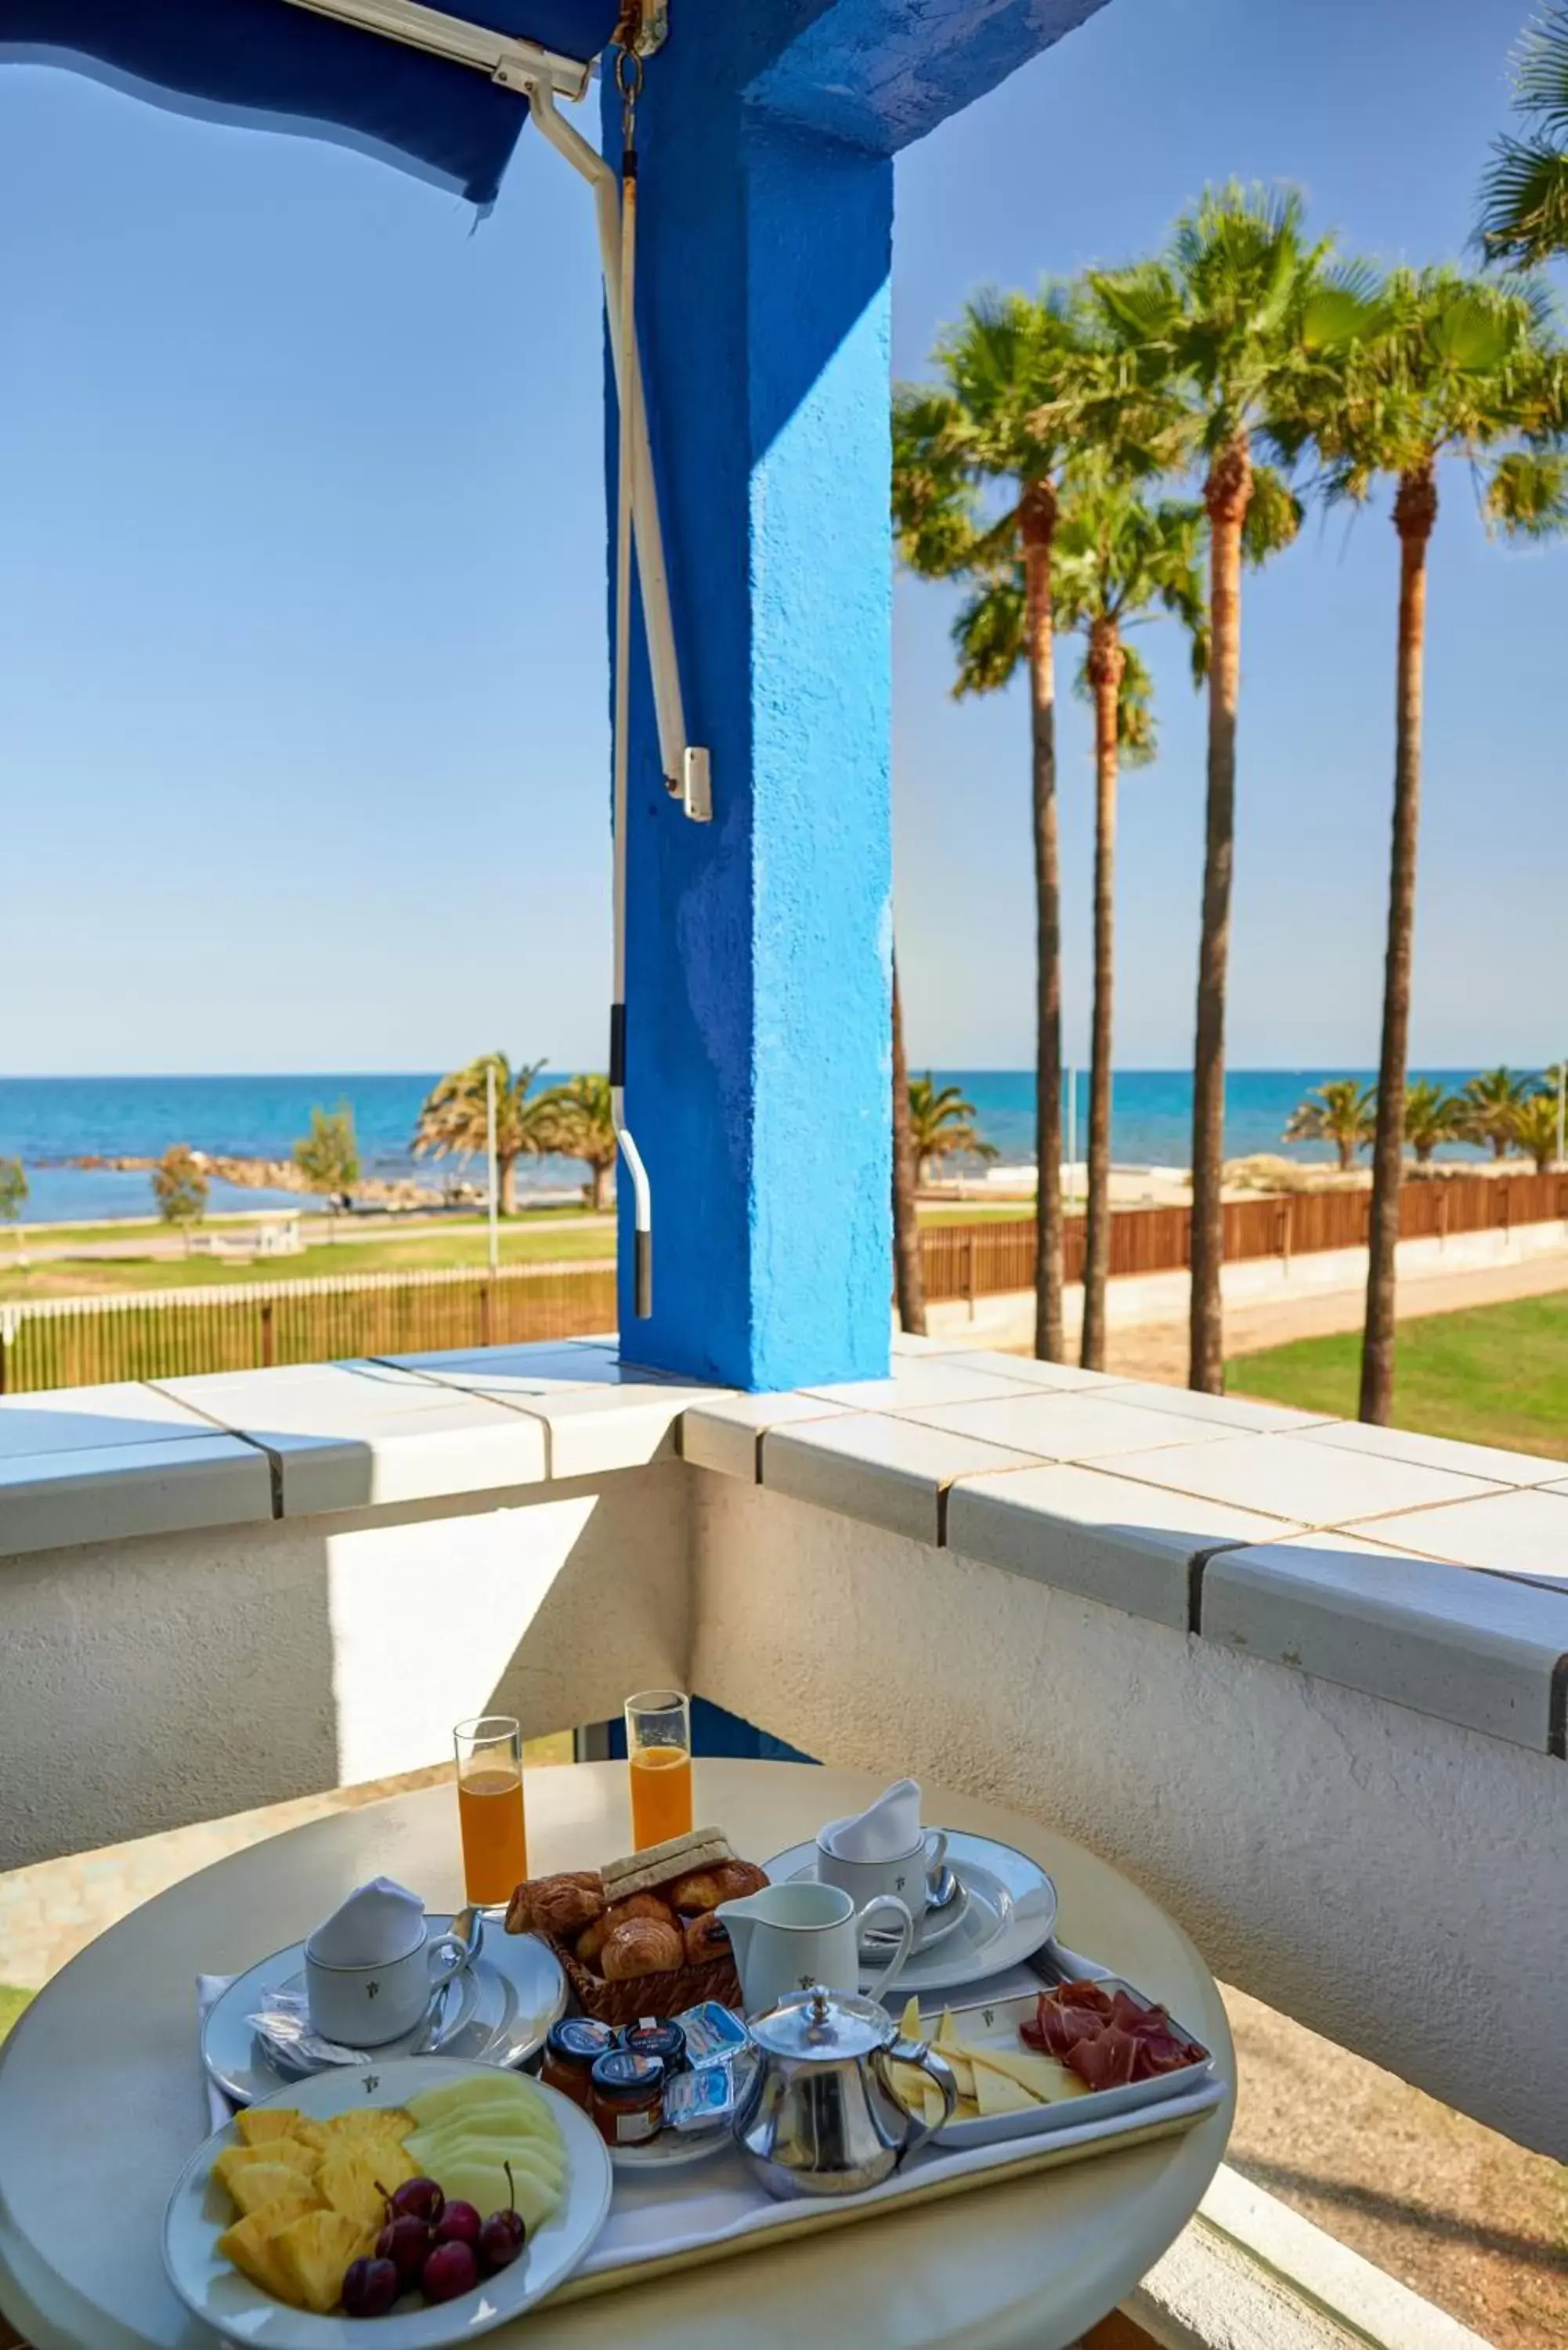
639 1995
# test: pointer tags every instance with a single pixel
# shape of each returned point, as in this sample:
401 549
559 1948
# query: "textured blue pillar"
757 988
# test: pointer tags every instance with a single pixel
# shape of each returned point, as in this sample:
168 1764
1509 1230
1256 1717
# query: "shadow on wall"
192 1675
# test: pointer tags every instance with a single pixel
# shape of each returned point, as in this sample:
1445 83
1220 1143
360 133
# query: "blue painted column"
758 946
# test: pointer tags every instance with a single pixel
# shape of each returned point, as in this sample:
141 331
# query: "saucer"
509 1998
932 1926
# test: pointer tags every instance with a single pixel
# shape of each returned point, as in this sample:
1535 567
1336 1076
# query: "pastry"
701 1890
592 1938
564 1909
521 1914
706 1938
738 1877
643 1946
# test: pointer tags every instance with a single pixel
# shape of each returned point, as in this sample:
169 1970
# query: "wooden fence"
992 1258
85 1341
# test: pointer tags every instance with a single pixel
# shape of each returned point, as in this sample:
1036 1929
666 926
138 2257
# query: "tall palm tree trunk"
908 1272
1038 526
1107 661
1414 513
1226 496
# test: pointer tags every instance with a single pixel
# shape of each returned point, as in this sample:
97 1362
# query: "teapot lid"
822 2023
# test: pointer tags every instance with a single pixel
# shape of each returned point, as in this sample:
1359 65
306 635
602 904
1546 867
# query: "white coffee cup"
907 1878
366 2006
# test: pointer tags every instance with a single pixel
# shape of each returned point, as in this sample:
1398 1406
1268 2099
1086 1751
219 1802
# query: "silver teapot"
818 2116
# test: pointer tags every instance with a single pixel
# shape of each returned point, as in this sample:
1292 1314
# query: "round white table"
102 2099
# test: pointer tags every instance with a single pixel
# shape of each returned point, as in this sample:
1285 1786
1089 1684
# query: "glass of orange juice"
490 1808
658 1755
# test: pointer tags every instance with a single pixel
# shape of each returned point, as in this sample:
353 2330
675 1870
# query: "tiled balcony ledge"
1430 1573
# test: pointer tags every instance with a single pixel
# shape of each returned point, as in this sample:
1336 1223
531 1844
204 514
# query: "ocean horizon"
46 1121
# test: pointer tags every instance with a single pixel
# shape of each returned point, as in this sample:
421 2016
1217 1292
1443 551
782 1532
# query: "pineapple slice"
270 2182
249 2245
351 2179
314 2251
287 2151
258 2126
368 2121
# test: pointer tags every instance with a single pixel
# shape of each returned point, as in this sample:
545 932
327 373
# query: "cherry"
459 2224
504 2234
370 2288
418 2199
450 2271
406 2242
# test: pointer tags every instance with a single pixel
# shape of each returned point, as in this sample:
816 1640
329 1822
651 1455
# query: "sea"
46 1121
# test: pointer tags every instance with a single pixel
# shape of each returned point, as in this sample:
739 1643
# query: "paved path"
1157 1351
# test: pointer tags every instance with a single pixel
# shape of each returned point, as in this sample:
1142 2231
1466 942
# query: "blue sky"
302 675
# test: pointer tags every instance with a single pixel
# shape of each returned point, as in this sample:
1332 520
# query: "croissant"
643 1946
521 1916
593 1938
564 1909
706 1938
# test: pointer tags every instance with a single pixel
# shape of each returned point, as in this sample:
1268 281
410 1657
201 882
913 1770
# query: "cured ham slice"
1107 2039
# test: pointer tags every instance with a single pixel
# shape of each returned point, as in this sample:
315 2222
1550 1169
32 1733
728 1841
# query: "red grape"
370 2288
419 2198
504 2234
459 2224
406 2242
450 2270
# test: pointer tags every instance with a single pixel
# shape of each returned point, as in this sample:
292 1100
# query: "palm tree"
941 1125
1240 310
1341 1112
909 1267
574 1120
453 1122
1535 1129
1490 1106
1449 366
977 462
1524 195
1430 1116
1116 556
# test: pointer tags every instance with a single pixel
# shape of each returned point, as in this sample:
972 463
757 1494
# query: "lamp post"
490 1150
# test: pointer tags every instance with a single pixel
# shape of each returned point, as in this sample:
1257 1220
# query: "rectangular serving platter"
997 2022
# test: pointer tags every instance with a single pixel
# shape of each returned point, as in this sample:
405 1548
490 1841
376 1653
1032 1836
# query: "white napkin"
885 1830
379 1922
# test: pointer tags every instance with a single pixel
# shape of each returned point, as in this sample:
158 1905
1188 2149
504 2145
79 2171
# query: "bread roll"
706 1938
592 1938
701 1890
643 1946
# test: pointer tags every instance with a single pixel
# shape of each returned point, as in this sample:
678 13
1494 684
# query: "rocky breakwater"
283 1175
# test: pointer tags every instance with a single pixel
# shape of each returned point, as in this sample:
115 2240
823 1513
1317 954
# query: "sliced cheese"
995 2092
958 2056
910 2021
1041 2075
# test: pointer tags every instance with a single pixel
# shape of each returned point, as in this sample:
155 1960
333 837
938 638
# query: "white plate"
999 2024
199 2212
670 2151
937 1925
1010 1913
516 1992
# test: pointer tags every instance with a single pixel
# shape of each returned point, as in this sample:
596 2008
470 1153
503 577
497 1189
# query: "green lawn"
130 1228
976 1212
12 2002
529 1242
1491 1375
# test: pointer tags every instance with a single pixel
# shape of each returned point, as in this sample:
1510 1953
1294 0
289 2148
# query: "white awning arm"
685 765
501 56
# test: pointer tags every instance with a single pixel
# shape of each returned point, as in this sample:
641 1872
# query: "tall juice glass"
659 1757
490 1808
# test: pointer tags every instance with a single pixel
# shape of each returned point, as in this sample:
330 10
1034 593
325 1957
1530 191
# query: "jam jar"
656 2036
572 2048
627 2099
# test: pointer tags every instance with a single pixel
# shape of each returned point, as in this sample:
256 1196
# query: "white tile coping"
1431 1574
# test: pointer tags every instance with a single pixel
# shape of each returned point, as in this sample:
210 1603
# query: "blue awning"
270 65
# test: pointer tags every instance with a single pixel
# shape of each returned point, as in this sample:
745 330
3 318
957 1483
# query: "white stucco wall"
150 1682
1400 1884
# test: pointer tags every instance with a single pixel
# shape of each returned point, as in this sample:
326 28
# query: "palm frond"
1274 516
990 634
1527 495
